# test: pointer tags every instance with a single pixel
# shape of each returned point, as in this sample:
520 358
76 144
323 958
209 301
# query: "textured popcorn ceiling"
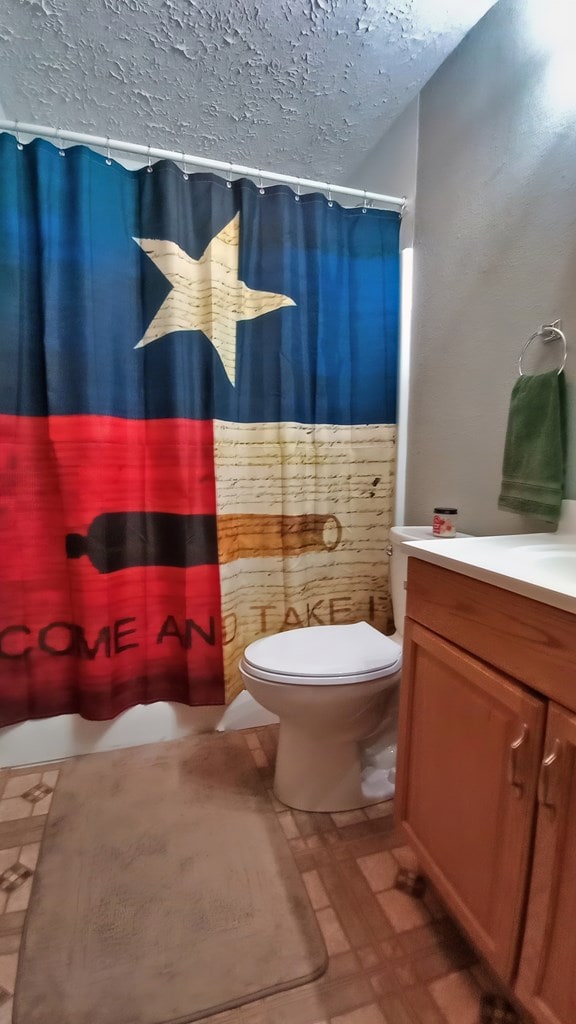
307 87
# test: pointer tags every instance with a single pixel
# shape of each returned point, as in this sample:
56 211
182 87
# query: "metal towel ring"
548 333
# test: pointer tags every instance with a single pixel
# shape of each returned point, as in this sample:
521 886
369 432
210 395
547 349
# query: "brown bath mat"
165 891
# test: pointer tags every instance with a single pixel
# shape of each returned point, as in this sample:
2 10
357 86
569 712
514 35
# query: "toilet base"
315 774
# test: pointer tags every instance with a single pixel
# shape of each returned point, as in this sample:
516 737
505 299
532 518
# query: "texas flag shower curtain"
197 408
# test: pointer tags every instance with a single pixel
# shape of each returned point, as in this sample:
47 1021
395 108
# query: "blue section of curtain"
78 293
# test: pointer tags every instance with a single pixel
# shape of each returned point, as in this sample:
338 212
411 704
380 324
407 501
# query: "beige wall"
391 166
495 253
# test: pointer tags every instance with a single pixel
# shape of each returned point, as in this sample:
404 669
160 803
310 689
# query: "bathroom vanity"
486 789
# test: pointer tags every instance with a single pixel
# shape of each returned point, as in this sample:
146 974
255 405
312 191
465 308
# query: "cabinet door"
470 745
547 977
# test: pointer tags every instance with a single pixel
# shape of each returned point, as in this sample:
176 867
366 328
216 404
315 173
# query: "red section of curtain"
74 638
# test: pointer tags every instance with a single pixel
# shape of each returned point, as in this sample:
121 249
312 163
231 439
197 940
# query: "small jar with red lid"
444 522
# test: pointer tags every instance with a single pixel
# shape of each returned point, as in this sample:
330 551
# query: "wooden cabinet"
468 779
547 976
486 789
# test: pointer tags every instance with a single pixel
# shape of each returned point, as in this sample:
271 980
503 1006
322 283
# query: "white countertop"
538 565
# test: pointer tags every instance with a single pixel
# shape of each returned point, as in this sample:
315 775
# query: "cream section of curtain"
304 512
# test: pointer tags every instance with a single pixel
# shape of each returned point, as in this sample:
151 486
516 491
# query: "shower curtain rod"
152 152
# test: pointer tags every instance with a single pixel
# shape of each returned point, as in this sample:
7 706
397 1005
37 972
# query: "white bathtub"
51 739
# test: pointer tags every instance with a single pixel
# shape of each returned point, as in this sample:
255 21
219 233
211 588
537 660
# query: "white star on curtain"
207 294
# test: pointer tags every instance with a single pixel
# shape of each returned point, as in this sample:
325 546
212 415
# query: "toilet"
335 692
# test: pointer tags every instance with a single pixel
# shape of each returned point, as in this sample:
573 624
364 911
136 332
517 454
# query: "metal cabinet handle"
545 772
513 779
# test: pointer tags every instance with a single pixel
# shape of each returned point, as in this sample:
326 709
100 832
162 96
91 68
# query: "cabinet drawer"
532 642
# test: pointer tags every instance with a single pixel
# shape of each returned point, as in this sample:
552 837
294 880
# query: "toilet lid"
324 655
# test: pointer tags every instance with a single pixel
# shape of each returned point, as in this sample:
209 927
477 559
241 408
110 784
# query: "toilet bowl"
335 692
331 687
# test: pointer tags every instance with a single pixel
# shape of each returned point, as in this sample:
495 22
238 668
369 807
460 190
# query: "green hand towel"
535 449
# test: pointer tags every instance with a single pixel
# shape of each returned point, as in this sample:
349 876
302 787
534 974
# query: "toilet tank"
399 565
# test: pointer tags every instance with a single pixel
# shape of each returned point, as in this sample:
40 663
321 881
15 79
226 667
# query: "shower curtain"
197 408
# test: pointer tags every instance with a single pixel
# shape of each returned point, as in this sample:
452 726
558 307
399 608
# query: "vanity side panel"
530 641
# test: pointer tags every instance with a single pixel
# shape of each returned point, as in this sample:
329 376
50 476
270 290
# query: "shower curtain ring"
260 183
108 158
149 168
330 202
365 206
229 176
17 133
297 196
185 174
61 150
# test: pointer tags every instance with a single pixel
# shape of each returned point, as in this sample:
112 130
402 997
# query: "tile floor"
393 958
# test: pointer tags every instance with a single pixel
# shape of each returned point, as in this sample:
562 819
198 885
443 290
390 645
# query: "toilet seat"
323 656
